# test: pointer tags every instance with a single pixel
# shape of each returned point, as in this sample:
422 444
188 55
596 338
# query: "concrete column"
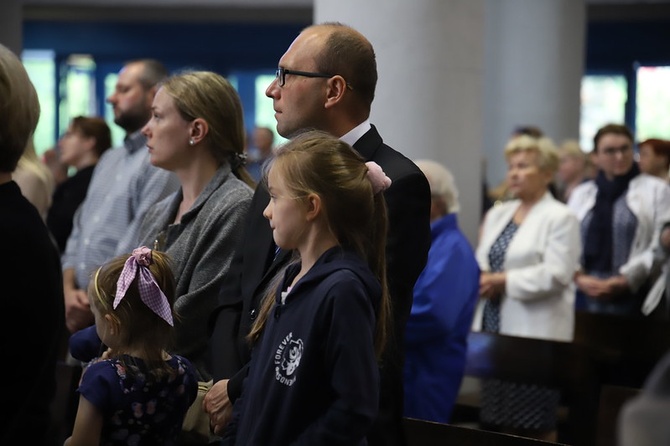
430 56
456 77
11 19
535 53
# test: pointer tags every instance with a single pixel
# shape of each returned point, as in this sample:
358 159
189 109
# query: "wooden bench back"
426 433
612 399
565 366
625 349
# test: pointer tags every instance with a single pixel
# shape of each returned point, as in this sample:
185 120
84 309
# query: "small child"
135 393
313 377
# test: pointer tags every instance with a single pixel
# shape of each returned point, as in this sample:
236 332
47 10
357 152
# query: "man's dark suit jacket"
408 207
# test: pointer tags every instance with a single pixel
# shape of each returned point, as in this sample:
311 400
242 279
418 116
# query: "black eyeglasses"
282 72
611 151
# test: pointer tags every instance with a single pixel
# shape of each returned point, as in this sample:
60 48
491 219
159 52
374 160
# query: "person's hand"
217 404
591 286
617 285
78 313
107 354
603 289
491 285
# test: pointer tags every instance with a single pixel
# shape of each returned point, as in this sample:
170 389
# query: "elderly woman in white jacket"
528 252
621 213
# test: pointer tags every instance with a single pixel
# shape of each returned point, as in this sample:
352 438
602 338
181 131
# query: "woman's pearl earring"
191 142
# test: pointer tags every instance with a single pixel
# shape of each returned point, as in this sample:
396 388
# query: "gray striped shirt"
124 186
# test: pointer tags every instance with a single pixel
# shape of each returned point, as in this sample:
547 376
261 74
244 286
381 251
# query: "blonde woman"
35 180
197 132
528 253
572 164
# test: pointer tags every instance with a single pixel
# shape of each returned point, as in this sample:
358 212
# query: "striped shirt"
124 186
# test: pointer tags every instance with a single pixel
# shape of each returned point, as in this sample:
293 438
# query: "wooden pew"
562 365
625 348
426 433
607 352
612 399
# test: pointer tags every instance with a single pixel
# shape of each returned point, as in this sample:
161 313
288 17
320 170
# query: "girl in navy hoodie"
314 377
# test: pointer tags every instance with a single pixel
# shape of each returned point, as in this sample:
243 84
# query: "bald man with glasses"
326 80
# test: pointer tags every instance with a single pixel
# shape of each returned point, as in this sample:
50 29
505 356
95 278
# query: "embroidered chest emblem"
287 359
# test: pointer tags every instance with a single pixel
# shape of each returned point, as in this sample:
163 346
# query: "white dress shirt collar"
355 134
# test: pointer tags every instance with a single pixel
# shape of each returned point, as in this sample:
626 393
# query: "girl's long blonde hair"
315 162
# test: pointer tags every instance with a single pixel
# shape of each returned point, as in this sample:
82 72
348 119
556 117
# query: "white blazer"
540 264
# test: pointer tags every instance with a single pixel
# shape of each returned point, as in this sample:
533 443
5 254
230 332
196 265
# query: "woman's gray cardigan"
201 247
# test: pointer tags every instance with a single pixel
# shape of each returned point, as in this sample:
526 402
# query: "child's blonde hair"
315 162
137 325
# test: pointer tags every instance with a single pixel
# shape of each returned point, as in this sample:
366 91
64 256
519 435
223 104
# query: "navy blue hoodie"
313 377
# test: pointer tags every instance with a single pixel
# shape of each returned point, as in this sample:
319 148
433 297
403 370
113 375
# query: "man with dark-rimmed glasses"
281 73
326 80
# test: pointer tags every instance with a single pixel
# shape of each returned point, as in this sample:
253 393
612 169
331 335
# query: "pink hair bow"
150 293
380 182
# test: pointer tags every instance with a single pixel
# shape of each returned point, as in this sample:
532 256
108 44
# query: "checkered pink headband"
150 293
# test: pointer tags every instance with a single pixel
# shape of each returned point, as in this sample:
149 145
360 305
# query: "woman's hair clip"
238 160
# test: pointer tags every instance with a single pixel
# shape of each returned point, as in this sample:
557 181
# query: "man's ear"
336 88
313 204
